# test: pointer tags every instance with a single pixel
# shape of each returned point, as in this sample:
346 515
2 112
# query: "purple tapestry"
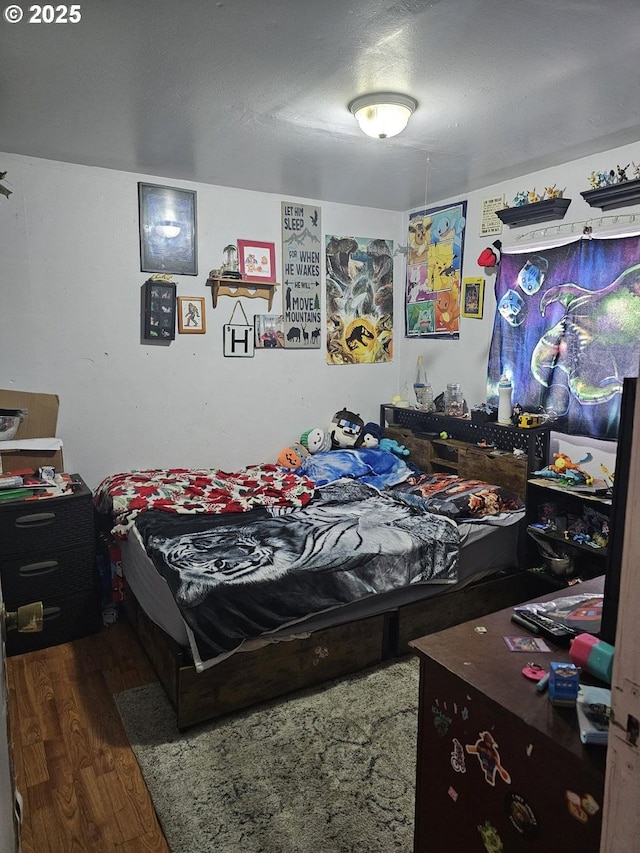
567 331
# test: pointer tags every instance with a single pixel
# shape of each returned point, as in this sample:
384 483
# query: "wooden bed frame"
247 678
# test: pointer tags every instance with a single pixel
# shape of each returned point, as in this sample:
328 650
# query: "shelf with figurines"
613 189
530 207
228 281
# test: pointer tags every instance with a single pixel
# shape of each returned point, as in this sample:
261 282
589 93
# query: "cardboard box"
41 422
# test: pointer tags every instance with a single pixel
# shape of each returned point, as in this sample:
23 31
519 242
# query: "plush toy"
345 429
316 440
392 445
373 436
490 257
292 457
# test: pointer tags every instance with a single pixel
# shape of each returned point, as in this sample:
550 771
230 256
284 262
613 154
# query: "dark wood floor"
77 774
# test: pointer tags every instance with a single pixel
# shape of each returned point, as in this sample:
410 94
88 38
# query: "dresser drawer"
65 619
31 526
61 571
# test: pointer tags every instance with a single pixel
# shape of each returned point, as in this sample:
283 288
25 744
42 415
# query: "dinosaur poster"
359 300
434 262
567 330
301 256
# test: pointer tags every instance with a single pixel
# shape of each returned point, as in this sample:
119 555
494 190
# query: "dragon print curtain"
567 331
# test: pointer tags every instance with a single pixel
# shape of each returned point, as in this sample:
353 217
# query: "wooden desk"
470 684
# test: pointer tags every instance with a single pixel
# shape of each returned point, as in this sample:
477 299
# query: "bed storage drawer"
470 602
250 677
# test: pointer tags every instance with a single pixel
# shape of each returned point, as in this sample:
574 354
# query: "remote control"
537 623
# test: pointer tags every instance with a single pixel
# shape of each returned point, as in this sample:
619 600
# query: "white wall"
70 325
70 321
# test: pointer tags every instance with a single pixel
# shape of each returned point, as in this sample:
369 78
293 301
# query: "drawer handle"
50 613
35 569
35 519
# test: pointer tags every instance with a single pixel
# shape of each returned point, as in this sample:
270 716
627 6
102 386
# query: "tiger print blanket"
244 575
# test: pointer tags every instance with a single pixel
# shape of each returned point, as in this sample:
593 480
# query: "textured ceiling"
254 93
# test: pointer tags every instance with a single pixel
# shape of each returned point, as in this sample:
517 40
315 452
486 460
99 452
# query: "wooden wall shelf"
221 286
617 195
539 211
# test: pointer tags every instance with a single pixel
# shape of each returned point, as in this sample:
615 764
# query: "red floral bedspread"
192 490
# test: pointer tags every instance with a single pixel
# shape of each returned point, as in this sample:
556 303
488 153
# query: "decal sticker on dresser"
486 749
521 815
490 838
457 757
440 720
581 807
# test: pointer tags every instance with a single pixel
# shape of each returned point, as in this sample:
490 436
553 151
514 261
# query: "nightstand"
47 553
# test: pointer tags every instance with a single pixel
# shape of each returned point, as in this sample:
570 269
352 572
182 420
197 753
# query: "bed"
246 586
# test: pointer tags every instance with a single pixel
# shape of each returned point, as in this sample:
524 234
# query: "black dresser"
47 553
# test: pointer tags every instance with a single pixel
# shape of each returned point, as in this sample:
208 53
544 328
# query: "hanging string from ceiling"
585 227
426 182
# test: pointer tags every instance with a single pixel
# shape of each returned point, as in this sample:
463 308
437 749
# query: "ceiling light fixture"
383 114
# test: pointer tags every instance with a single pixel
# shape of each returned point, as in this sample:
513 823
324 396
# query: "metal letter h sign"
238 338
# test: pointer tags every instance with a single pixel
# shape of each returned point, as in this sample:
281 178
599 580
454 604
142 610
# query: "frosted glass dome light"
383 115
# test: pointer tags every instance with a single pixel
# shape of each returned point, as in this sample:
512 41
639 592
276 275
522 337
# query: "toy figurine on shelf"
597 180
621 173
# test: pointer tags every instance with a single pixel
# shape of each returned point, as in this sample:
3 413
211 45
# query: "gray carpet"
327 770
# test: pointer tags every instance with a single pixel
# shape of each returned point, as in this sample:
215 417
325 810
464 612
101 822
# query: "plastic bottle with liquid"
505 409
422 389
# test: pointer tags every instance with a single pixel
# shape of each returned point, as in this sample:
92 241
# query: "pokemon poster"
567 330
434 264
359 300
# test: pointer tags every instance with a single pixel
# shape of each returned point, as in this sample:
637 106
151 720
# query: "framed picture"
191 315
257 260
167 230
159 310
472 297
269 331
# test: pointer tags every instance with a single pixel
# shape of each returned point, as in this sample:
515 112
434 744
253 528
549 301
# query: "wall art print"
434 264
167 222
567 330
359 291
301 255
191 315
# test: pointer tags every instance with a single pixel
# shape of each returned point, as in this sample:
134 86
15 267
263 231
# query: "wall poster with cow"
359 287
301 268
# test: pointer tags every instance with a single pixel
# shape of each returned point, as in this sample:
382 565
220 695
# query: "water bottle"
422 389
504 400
